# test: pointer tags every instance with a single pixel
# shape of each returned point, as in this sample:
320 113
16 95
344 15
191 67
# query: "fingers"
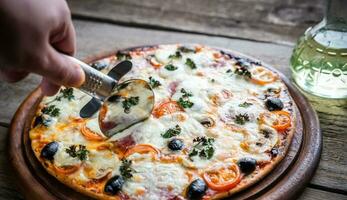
12 76
66 41
48 88
60 70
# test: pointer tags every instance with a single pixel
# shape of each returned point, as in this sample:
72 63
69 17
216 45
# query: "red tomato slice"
90 135
262 76
279 120
283 120
67 169
142 149
166 108
155 63
222 178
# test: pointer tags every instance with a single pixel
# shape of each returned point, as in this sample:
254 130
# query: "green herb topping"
203 147
177 55
241 118
79 151
51 111
66 93
243 71
129 102
186 93
245 104
190 63
229 71
126 170
154 83
184 100
172 132
170 67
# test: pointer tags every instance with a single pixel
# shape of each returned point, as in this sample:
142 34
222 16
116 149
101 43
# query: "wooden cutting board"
286 181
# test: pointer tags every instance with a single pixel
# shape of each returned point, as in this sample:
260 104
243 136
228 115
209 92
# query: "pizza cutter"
123 104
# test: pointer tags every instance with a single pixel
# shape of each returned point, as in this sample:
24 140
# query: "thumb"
60 70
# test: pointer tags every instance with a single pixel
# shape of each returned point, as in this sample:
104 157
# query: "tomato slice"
90 135
217 55
166 108
279 120
67 169
223 177
283 120
155 63
142 149
262 76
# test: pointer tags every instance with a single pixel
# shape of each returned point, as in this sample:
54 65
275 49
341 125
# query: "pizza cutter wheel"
123 104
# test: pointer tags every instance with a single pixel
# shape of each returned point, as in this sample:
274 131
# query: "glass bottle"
319 60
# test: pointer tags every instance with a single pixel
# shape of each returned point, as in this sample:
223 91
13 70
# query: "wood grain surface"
265 20
93 37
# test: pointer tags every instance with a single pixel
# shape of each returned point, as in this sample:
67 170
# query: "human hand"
33 35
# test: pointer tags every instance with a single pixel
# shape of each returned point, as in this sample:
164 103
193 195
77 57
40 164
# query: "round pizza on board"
220 124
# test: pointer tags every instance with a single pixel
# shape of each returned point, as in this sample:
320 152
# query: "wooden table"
266 30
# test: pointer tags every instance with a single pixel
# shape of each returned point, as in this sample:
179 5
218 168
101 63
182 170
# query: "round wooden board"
285 181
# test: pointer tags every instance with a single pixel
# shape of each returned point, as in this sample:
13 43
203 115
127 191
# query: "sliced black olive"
49 150
247 165
274 104
38 121
114 185
274 152
175 144
196 189
99 65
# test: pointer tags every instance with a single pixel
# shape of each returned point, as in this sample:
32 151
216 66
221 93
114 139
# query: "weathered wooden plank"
333 119
13 94
314 194
273 20
96 37
7 187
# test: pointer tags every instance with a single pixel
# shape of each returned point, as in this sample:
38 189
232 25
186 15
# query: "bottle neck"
336 14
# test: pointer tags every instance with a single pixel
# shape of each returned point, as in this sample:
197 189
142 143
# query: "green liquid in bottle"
319 60
320 67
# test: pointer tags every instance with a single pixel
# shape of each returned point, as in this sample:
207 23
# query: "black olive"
274 152
38 121
247 165
114 99
114 185
49 150
274 104
175 144
99 65
196 189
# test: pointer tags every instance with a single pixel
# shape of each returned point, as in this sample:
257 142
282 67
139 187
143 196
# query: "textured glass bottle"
319 60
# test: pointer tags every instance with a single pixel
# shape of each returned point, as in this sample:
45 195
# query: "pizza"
220 123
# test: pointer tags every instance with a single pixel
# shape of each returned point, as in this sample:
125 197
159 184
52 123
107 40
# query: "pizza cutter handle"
96 84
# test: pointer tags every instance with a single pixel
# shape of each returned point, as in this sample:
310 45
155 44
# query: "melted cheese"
158 180
100 163
62 158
